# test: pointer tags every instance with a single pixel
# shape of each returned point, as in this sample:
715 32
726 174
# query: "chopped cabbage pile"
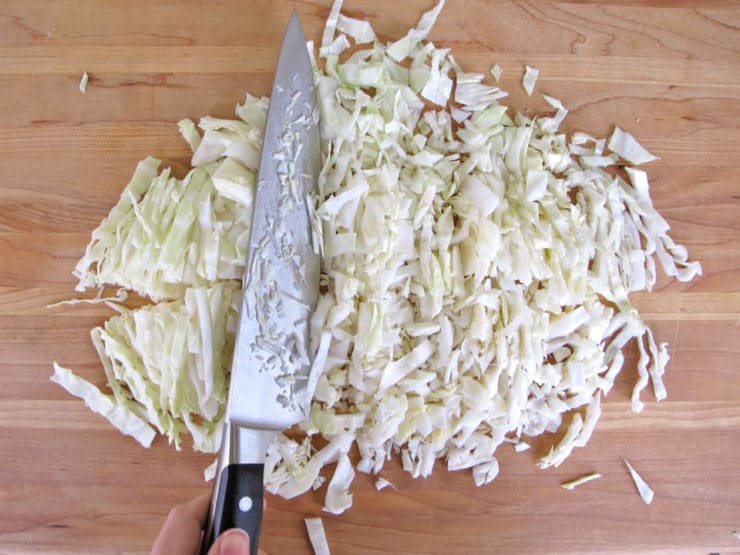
476 272
167 365
183 242
165 234
478 267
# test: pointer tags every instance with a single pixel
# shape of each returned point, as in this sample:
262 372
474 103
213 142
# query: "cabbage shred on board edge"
476 272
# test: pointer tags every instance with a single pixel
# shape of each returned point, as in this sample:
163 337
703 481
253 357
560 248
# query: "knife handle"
237 503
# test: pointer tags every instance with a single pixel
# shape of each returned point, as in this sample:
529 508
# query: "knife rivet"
245 504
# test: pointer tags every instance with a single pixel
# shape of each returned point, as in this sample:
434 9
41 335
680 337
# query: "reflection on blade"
272 363
275 301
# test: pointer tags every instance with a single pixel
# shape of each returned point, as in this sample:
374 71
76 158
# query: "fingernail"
235 542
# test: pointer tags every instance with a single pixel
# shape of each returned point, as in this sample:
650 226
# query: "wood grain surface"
668 71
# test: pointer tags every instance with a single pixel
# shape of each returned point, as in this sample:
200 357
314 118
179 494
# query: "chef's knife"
271 378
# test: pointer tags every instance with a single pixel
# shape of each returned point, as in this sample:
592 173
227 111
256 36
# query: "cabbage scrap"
83 82
120 415
521 446
317 536
628 148
382 483
338 499
190 133
573 484
646 493
112 301
529 79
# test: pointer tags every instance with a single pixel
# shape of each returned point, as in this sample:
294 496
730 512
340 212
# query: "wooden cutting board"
668 71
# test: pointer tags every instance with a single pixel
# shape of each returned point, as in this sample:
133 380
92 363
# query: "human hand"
181 532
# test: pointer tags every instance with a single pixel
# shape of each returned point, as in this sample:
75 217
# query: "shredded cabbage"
167 366
476 272
478 268
166 234
180 353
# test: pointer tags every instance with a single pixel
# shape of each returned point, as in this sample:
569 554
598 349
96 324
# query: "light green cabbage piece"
189 133
120 414
167 366
529 79
573 484
628 148
236 182
167 234
83 82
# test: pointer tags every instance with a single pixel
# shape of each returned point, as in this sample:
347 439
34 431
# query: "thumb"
232 542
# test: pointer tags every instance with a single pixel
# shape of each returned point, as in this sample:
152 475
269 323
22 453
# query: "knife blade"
271 382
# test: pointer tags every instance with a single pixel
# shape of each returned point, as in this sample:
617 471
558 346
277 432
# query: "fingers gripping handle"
237 500
237 503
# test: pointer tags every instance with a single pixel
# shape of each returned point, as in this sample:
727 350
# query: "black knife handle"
238 504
